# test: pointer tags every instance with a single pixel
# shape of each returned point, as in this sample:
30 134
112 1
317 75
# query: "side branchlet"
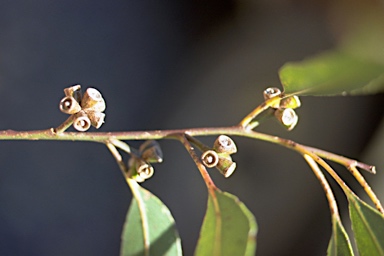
276 104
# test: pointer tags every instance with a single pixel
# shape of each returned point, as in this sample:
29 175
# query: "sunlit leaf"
332 73
229 228
149 228
367 226
355 66
339 245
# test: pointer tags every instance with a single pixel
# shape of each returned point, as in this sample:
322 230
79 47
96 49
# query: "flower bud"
287 117
270 93
224 144
69 105
81 121
74 91
210 158
93 100
151 152
97 118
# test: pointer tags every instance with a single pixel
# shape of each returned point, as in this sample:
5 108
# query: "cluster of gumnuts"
284 108
140 163
86 109
220 155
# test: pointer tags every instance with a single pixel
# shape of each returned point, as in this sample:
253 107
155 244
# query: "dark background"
160 65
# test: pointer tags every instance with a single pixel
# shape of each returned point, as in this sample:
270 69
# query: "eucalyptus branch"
87 110
113 137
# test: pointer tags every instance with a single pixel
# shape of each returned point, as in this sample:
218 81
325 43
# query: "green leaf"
332 73
339 245
149 228
367 226
229 228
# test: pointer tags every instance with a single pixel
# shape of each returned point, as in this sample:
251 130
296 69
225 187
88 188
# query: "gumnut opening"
210 158
69 105
270 93
287 117
144 170
81 122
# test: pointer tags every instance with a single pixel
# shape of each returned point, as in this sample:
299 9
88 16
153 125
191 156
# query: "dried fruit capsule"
74 91
287 117
292 102
210 158
93 100
97 118
270 93
144 169
81 121
69 105
225 165
224 144
139 169
151 152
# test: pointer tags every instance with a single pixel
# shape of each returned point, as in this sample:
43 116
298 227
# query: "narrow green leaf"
229 228
332 73
149 228
339 245
367 226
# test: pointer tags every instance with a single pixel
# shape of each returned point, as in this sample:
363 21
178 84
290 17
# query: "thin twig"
326 187
347 162
120 144
64 126
119 159
367 188
201 146
332 172
246 122
203 171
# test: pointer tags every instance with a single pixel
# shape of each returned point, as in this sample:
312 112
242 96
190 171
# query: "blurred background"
162 65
